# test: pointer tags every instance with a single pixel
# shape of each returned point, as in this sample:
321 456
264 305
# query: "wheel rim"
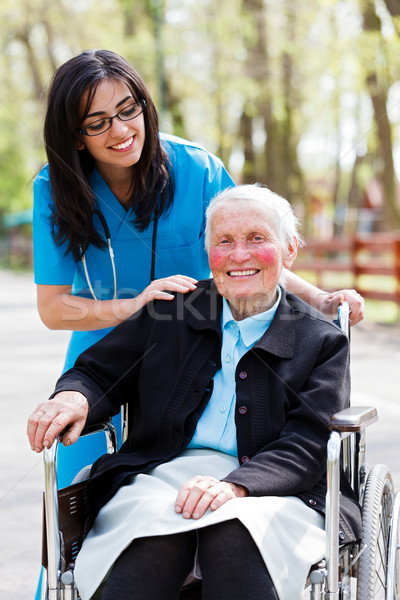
382 544
377 511
393 573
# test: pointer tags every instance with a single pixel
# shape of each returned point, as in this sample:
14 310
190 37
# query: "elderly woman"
230 390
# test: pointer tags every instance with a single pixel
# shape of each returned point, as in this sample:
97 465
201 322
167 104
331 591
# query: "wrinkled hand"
329 304
202 492
67 410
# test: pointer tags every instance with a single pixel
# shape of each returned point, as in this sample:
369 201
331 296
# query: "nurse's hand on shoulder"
66 412
202 492
159 289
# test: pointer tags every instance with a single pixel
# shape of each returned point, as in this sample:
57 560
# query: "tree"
377 86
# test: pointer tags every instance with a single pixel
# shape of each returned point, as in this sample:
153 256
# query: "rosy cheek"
216 258
267 255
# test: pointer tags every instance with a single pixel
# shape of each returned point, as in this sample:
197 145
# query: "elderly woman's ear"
291 254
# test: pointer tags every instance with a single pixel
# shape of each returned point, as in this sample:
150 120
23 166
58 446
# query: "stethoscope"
111 253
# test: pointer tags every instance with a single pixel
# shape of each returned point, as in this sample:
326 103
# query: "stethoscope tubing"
111 253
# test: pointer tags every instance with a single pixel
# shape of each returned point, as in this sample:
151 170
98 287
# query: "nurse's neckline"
120 189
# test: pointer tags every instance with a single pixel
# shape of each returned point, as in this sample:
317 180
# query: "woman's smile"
246 273
124 146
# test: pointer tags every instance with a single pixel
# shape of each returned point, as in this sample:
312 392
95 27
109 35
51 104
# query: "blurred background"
303 96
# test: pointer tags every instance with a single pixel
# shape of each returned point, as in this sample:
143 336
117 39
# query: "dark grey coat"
162 360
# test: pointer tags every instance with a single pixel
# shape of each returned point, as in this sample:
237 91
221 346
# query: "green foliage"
277 88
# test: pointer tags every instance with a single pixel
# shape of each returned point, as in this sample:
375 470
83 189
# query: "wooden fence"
366 254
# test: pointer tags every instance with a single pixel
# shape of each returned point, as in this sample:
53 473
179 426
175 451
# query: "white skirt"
289 534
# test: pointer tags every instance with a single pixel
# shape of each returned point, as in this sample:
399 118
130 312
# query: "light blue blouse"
216 427
198 177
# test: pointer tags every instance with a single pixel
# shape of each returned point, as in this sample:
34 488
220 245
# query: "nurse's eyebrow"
103 112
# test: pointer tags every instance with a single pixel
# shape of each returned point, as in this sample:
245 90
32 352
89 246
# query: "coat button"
312 502
243 375
244 459
242 410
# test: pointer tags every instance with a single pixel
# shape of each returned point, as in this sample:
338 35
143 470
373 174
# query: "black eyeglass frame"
142 103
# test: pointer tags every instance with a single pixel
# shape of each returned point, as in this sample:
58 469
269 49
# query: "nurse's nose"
118 127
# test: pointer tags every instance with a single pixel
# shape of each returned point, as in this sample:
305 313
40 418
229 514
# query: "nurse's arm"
326 302
59 309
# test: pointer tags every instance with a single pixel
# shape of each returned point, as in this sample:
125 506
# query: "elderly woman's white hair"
278 211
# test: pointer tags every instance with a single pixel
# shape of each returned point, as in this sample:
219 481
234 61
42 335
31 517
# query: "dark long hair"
70 168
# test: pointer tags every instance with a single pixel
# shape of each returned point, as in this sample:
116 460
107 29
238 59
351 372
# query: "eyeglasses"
126 114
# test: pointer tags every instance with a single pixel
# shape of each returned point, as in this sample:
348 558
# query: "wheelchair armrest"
353 419
109 430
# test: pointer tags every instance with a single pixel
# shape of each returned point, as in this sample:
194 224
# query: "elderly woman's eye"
257 237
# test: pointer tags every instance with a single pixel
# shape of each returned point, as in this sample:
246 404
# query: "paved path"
31 358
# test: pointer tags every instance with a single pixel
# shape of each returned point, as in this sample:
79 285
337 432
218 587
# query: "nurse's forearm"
305 290
59 309
326 302
65 311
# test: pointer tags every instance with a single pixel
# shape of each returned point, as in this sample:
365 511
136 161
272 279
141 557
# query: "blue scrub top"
198 177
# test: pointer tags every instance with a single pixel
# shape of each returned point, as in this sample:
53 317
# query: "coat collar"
205 307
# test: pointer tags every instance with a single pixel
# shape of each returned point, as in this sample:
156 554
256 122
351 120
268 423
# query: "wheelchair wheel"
393 568
376 516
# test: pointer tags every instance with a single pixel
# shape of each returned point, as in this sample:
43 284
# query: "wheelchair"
366 570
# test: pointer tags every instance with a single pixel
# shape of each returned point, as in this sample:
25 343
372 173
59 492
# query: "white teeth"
123 145
242 273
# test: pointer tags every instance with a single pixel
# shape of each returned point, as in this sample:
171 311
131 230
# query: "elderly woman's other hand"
329 304
202 492
67 410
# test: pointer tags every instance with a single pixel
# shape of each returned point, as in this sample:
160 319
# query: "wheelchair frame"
375 568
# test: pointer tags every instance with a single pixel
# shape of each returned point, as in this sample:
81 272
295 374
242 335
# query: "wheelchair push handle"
343 317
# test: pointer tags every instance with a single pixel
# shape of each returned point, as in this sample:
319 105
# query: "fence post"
397 267
355 270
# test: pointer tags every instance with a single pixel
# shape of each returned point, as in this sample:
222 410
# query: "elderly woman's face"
245 256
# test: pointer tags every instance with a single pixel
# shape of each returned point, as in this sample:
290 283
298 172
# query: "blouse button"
244 459
312 502
242 410
243 375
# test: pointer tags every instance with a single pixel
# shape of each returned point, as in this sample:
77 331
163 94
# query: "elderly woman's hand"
67 410
329 303
202 492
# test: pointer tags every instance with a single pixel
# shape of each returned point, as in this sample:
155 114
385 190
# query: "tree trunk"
23 37
378 93
292 184
257 70
393 7
246 133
